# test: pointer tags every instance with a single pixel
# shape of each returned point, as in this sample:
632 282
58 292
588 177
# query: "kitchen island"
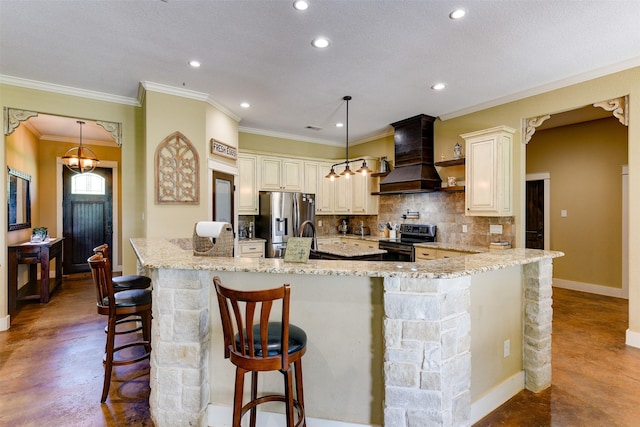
389 343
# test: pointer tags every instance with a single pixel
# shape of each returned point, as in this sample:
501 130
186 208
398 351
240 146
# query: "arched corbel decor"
531 124
618 106
13 117
177 171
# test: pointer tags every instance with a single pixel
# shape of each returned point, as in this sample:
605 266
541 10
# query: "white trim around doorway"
108 164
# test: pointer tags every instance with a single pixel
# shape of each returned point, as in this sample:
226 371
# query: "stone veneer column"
427 361
538 315
180 348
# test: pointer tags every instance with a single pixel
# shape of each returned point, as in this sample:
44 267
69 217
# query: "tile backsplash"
445 210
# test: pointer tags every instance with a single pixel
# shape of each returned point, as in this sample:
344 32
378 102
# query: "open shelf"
452 189
454 162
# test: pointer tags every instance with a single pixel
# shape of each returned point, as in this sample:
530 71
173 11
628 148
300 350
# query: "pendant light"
364 169
80 159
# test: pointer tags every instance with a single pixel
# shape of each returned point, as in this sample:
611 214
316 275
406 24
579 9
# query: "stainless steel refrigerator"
281 215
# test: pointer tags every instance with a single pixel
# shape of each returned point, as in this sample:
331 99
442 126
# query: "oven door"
397 251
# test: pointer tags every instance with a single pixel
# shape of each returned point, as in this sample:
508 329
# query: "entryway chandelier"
364 169
80 159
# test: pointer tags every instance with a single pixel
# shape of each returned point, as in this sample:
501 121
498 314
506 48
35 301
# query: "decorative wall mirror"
18 199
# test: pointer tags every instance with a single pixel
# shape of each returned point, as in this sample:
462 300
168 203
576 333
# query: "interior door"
87 216
535 215
223 192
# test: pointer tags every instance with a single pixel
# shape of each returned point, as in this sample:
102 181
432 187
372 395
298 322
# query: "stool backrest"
102 249
101 274
239 312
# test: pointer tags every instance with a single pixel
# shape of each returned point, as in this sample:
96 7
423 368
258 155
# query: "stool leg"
299 389
237 398
108 364
288 391
254 396
146 329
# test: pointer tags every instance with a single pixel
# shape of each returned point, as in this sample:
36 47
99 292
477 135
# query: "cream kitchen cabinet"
342 195
252 248
362 202
326 191
311 178
425 254
248 184
278 174
361 243
489 172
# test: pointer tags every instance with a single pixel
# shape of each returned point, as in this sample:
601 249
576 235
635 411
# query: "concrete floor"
51 368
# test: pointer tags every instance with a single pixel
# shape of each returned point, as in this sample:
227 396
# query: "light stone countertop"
453 247
163 253
345 250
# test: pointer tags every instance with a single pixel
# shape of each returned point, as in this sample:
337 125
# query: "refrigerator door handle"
296 214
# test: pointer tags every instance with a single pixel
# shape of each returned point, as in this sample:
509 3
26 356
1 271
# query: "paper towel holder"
221 246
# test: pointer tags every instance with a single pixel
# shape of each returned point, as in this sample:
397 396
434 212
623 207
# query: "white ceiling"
384 53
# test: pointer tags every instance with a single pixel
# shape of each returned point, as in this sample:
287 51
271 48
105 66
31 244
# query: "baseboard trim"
588 287
220 416
633 338
497 396
5 322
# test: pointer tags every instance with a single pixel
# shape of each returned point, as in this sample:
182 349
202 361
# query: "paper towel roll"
209 228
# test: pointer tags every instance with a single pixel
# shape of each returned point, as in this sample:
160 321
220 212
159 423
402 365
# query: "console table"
34 254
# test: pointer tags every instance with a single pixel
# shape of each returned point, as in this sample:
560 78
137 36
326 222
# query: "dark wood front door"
87 216
535 215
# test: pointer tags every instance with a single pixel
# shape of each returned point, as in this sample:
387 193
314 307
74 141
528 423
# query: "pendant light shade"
364 169
80 159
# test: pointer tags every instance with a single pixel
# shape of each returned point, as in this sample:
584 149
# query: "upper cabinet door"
488 170
248 183
280 174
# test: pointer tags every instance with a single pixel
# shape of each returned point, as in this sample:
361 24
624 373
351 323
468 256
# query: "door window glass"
87 183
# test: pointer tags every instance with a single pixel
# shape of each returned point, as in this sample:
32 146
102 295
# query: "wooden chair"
123 283
255 344
120 305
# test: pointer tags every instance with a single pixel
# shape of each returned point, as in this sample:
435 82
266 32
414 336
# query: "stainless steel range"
401 249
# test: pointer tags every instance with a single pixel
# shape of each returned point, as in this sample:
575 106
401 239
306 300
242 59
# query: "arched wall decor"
177 171
13 117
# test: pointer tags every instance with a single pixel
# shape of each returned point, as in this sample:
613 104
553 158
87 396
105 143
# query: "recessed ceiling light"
194 63
458 13
320 42
300 5
339 125
438 86
245 105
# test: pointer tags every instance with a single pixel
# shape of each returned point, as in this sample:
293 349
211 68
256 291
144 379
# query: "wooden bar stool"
254 344
120 305
123 283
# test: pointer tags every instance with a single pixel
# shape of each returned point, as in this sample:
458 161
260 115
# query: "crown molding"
559 84
283 135
183 93
67 90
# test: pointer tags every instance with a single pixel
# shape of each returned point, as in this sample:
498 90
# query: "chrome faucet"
314 240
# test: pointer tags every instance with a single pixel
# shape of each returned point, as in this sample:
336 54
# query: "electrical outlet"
563 213
319 223
495 228
464 228
507 348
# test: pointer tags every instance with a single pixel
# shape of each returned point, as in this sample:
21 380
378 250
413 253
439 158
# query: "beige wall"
164 115
21 150
568 98
585 164
82 107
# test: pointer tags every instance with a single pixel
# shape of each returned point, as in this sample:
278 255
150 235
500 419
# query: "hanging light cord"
364 169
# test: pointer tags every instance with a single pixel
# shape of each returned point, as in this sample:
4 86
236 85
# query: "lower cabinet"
251 248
